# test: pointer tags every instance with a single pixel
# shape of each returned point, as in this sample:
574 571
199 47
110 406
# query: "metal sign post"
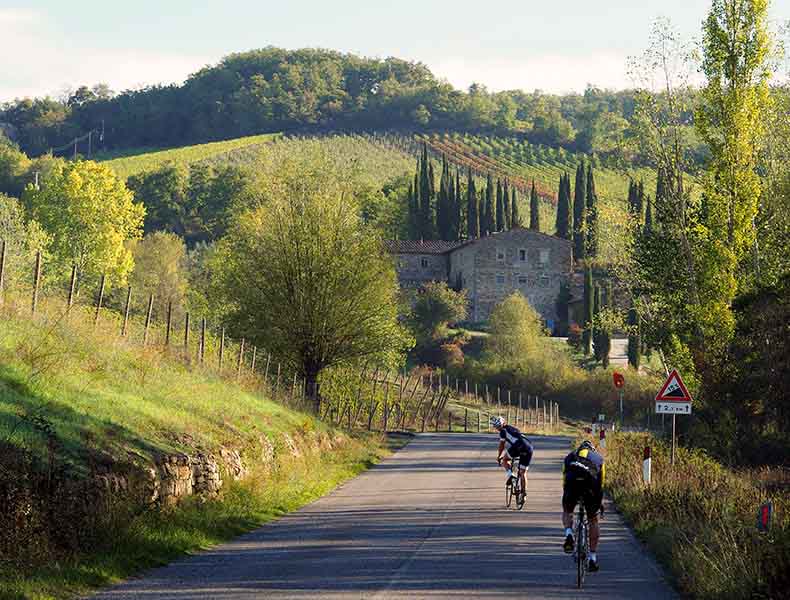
619 383
673 399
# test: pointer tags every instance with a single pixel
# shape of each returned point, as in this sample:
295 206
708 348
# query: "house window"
500 255
522 254
424 262
544 281
544 256
522 280
500 279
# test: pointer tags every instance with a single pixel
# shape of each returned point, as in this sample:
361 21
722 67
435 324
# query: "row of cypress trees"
453 213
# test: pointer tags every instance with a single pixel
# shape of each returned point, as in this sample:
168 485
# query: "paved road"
429 522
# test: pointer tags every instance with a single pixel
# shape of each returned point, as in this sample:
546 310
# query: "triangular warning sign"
673 390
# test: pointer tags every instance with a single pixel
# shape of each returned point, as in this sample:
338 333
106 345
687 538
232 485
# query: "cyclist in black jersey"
512 444
583 477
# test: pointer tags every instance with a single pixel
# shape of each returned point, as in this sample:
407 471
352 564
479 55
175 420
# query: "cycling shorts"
523 453
578 487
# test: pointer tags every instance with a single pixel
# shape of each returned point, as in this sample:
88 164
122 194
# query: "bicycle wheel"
521 496
508 494
581 549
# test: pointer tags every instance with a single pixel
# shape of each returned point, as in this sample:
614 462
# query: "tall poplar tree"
534 214
579 212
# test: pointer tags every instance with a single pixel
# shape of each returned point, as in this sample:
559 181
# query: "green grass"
102 394
132 162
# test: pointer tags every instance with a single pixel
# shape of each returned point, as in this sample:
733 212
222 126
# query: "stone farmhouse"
491 268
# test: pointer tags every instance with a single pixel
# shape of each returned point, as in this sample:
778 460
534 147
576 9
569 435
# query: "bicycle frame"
582 545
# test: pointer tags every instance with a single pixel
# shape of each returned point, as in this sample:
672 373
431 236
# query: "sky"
49 46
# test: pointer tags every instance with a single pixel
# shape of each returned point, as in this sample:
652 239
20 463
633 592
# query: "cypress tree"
413 212
631 197
588 309
458 209
441 204
563 309
592 216
579 212
640 200
605 336
500 207
506 205
534 215
490 217
472 208
515 218
426 201
563 210
634 339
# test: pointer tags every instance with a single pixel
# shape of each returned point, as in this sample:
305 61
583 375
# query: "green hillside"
132 162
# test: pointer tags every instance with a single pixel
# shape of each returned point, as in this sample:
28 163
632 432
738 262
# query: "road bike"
582 550
513 487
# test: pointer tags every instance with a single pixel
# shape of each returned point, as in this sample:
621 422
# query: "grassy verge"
155 538
700 520
74 394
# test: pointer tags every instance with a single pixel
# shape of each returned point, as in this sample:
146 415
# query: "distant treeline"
279 90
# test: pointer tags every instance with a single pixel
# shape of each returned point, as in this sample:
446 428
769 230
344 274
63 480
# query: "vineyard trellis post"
241 359
202 349
2 267
186 334
252 363
126 308
72 287
36 282
148 318
99 300
169 323
221 349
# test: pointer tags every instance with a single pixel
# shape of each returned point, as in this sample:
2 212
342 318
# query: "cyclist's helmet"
588 445
498 422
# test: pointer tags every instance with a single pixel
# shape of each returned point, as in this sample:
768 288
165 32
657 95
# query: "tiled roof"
420 247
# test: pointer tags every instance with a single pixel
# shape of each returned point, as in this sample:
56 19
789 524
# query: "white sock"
593 557
509 473
568 531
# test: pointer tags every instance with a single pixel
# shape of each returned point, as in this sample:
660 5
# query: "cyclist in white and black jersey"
512 444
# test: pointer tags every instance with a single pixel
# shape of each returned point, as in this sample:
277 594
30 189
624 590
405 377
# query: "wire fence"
371 398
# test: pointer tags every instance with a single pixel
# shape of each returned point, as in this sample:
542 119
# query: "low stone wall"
173 477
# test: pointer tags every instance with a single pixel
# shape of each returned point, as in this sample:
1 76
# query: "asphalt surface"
429 522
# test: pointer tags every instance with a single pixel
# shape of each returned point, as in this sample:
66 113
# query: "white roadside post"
646 464
603 437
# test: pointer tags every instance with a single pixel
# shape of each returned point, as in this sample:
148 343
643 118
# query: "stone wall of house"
416 269
523 260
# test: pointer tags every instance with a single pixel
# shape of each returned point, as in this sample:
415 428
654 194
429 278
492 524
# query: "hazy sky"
558 46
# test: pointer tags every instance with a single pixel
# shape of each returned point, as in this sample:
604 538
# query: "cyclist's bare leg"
522 475
595 533
567 520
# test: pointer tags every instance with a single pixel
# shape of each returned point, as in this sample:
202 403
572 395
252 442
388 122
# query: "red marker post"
619 383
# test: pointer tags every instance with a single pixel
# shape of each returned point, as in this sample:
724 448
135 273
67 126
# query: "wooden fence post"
36 282
266 370
252 365
478 421
126 311
186 334
202 350
449 421
169 323
99 301
386 405
466 420
2 267
148 318
222 349
277 382
241 359
72 287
